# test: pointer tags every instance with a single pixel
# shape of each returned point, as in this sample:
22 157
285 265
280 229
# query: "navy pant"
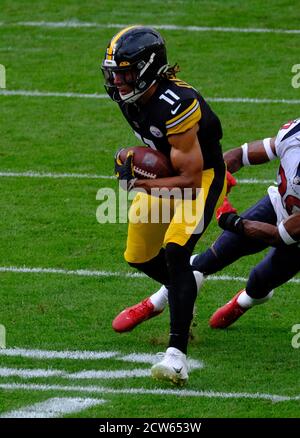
276 268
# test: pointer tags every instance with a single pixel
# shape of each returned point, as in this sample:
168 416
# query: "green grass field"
50 223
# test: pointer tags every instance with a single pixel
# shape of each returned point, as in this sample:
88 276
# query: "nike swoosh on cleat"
176 109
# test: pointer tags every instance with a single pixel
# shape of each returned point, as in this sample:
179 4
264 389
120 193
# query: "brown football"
148 163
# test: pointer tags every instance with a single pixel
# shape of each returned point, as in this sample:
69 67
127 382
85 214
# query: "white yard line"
33 174
79 272
30 373
52 354
36 174
104 374
81 24
80 375
254 181
54 407
77 355
252 100
37 93
88 273
144 391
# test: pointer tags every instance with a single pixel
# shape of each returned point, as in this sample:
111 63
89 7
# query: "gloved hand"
231 181
124 171
232 222
226 207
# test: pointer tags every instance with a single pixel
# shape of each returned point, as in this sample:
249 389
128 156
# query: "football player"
169 115
273 221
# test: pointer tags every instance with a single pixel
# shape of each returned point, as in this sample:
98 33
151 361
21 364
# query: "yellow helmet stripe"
115 39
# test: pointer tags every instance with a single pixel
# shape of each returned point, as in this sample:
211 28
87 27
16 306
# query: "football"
148 163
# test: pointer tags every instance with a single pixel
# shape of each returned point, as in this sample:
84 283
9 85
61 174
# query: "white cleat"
172 368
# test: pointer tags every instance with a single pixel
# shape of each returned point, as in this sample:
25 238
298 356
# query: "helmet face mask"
136 55
126 76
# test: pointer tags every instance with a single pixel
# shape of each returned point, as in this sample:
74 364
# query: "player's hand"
226 207
231 181
231 222
124 171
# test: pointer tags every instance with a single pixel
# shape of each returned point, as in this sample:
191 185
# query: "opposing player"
273 221
169 115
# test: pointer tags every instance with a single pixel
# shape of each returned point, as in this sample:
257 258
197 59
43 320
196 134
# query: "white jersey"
286 197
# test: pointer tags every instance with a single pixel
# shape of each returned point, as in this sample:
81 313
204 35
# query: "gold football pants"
154 222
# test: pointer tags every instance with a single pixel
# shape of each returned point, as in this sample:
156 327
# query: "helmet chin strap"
134 95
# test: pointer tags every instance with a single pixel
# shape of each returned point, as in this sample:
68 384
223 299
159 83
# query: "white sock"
199 277
160 298
192 258
245 301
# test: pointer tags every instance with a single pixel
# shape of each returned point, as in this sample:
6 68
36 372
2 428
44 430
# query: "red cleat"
231 181
227 314
134 315
226 207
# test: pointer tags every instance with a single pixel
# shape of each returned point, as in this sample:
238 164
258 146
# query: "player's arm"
187 161
255 152
287 232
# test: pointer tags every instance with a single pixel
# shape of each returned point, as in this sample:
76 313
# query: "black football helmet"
139 50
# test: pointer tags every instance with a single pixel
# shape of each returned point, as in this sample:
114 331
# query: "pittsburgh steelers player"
169 115
273 221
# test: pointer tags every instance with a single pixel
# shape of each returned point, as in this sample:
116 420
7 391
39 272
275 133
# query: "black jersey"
174 108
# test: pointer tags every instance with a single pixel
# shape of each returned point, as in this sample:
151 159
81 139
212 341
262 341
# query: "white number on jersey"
173 95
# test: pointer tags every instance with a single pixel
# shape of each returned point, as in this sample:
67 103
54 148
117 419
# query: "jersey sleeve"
183 117
287 135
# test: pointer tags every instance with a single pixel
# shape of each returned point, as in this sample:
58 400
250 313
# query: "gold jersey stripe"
171 121
186 124
115 39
